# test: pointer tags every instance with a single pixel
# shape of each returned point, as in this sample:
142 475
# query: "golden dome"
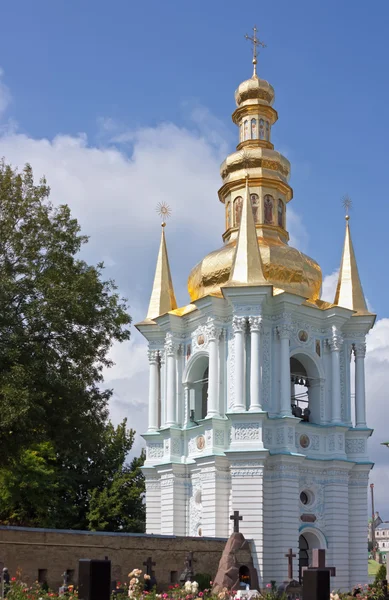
254 89
284 267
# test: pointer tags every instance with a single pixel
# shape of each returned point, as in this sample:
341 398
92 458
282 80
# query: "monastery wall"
29 550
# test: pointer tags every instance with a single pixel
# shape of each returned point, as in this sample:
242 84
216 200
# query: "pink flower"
268 585
200 594
164 596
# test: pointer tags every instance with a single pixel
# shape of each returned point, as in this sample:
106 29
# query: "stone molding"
256 324
360 350
153 356
335 340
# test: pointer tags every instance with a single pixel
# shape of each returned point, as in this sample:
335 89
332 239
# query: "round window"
306 497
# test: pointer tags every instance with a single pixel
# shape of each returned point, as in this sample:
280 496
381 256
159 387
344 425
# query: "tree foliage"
58 320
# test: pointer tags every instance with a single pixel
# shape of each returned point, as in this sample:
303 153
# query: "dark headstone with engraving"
94 579
188 573
293 590
316 584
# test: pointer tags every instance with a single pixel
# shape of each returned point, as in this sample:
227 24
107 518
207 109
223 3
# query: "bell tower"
250 399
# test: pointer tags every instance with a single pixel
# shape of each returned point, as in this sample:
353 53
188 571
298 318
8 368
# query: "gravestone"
64 587
94 579
236 564
152 582
316 578
188 573
291 587
5 582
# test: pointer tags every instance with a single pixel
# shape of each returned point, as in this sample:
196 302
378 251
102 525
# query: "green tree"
119 506
58 320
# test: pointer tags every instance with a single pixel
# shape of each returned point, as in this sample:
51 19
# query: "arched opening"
238 206
268 209
305 387
244 576
255 206
307 541
197 383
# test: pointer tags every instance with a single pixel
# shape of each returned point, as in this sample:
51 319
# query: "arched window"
255 207
204 395
228 215
261 129
280 213
267 130
254 133
268 209
246 130
238 205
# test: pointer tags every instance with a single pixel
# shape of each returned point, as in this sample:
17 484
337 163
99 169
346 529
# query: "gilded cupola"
284 267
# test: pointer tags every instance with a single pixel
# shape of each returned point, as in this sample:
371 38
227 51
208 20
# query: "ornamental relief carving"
200 339
176 447
280 436
315 442
266 369
342 387
246 431
268 436
219 437
355 446
231 371
239 324
154 450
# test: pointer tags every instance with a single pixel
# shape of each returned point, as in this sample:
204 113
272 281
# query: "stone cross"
149 564
290 556
189 560
319 562
236 518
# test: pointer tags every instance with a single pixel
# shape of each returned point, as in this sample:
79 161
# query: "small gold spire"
162 296
247 268
256 42
349 292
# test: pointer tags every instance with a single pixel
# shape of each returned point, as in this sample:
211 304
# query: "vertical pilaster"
174 491
247 498
358 516
171 353
153 502
239 328
360 401
215 485
337 523
284 331
255 366
154 393
335 343
282 525
213 375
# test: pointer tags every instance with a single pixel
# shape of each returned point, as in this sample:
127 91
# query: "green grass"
373 567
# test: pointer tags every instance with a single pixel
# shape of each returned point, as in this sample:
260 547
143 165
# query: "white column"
335 343
154 390
186 404
239 328
360 402
284 333
255 367
171 350
213 372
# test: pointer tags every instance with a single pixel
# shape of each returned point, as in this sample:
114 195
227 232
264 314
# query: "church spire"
162 296
349 292
247 268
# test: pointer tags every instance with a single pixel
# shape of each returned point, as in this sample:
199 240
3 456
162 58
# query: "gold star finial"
347 203
164 211
256 42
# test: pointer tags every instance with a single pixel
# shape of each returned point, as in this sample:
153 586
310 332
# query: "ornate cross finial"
256 42
347 202
164 211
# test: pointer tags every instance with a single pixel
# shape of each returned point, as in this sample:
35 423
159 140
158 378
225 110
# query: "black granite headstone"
94 579
316 584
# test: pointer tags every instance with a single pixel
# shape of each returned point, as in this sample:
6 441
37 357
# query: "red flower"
13 579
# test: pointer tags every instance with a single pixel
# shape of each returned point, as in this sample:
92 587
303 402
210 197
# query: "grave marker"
236 518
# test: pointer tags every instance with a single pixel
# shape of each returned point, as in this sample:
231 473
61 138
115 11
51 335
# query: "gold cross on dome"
347 202
256 42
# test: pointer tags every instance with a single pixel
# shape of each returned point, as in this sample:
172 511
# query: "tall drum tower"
250 400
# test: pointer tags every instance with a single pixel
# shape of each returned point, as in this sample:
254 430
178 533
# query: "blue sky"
124 104
69 63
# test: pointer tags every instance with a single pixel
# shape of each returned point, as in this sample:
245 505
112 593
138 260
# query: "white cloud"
5 95
329 286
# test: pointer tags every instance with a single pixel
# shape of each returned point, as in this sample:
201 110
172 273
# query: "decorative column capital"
171 346
284 331
213 331
335 341
360 350
255 323
239 324
153 356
